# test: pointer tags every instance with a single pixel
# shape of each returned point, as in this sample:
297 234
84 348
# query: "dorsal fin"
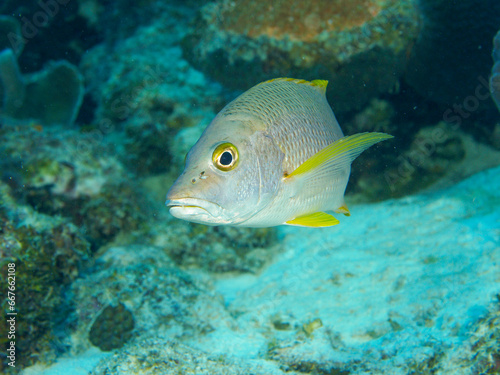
319 84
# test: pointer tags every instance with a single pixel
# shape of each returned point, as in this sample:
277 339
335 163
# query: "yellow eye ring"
225 157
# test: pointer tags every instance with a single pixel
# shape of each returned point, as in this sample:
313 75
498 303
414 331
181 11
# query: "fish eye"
225 156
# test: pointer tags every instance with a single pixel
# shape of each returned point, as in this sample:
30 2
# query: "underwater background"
101 100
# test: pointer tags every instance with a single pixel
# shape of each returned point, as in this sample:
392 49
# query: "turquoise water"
101 101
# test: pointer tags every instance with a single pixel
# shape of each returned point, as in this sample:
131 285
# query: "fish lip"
193 206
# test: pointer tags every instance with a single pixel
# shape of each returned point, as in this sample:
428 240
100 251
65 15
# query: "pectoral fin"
338 155
317 220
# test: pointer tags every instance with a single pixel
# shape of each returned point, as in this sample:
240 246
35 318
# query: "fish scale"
284 106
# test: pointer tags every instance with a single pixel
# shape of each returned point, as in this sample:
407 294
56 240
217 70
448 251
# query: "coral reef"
431 154
49 31
64 172
150 96
485 349
51 96
360 46
392 303
401 287
12 91
153 356
453 50
313 313
48 255
218 249
377 116
53 37
151 291
156 86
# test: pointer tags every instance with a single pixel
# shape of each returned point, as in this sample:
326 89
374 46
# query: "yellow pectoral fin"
316 220
339 154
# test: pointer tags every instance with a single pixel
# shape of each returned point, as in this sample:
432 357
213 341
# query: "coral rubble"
49 255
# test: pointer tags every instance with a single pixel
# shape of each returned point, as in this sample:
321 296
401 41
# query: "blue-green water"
100 103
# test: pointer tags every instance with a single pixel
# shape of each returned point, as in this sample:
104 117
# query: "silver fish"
274 155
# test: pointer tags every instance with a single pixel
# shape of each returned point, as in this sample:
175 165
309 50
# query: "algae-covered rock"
485 343
69 173
167 357
48 254
143 86
218 249
139 292
359 46
433 151
144 77
112 328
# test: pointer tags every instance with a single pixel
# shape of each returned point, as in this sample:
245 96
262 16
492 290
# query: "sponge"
51 96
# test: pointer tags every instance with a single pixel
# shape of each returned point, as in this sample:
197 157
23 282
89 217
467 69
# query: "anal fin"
343 210
315 220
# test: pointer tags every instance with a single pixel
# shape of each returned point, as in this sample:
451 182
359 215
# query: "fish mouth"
196 210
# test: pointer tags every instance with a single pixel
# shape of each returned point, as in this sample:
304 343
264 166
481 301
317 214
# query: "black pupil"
226 158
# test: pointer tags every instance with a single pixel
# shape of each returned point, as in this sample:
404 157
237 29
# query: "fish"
273 156
495 71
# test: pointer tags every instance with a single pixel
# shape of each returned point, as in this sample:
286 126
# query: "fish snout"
184 204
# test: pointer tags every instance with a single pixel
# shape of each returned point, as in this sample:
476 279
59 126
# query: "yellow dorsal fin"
319 84
343 210
338 154
317 220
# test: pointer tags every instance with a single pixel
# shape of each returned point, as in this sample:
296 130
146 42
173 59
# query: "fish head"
222 182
